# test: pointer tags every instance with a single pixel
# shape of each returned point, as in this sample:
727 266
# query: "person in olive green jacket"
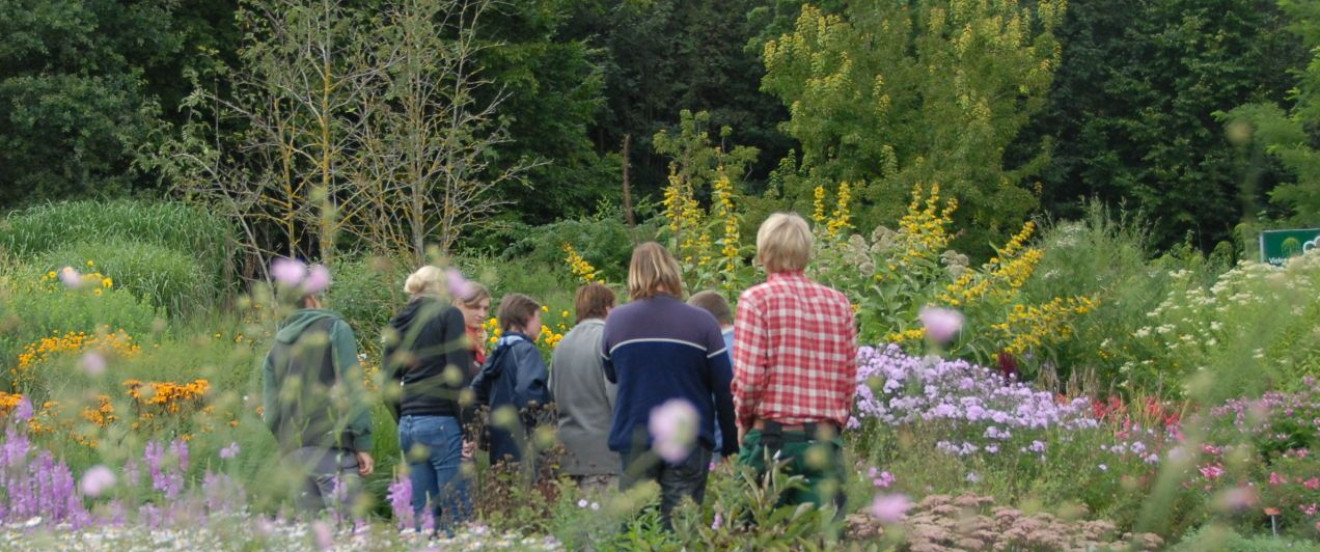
317 407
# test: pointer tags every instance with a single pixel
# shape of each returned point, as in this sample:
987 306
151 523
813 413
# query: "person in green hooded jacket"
316 404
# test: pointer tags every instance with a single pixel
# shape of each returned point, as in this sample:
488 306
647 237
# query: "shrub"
36 306
1253 329
1218 538
367 291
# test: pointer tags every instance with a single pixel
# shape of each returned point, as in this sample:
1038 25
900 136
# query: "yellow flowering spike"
579 265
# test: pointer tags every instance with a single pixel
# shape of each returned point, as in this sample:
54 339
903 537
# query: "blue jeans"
433 447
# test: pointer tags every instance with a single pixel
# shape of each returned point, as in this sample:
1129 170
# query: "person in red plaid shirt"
795 366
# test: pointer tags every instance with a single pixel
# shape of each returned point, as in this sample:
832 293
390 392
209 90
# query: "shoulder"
833 295
756 294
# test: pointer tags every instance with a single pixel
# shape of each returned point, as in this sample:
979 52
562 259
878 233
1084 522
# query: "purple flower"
941 324
719 522
70 277
318 279
323 536
230 451
93 363
673 427
890 508
97 481
973 477
288 272
459 287
23 412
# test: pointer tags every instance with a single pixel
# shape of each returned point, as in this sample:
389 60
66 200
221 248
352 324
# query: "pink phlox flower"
1211 471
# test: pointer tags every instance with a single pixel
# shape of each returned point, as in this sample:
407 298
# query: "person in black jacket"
427 354
514 378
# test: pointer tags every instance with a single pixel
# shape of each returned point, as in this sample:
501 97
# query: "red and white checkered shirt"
795 353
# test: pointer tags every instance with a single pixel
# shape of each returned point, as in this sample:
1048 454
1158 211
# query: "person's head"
594 300
310 301
715 304
428 281
652 271
519 313
476 306
783 244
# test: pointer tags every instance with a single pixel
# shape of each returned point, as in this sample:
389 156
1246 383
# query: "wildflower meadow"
1080 241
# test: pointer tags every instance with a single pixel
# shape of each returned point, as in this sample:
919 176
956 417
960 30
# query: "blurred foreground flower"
324 535
318 279
673 427
941 324
97 481
459 287
93 363
230 451
890 508
70 277
288 272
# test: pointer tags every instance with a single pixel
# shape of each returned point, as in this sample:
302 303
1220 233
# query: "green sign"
1277 246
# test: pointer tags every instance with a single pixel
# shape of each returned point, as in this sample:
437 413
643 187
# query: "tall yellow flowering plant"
895 273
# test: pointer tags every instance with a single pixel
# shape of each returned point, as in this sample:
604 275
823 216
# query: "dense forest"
1193 112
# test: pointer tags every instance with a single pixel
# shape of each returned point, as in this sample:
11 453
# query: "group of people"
768 385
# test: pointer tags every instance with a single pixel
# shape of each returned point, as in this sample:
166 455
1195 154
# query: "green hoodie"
334 411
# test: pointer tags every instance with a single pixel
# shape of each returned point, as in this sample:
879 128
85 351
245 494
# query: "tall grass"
170 279
173 225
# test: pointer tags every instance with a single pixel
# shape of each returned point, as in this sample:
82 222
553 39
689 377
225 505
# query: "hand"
365 464
468 448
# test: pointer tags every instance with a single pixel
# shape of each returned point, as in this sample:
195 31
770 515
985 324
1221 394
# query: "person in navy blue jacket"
513 377
659 350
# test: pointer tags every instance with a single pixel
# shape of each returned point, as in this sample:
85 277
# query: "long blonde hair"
653 270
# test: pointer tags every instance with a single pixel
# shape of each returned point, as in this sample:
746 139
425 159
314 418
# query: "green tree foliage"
553 88
888 94
663 56
1131 113
85 83
1284 134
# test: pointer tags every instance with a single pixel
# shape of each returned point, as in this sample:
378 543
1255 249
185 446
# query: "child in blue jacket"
514 376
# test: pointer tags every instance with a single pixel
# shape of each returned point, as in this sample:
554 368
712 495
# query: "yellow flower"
107 282
90 263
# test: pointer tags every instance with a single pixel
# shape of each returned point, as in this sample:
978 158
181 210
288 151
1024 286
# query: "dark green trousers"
819 462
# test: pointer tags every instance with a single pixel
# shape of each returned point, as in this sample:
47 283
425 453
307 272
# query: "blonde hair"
652 268
428 280
783 244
